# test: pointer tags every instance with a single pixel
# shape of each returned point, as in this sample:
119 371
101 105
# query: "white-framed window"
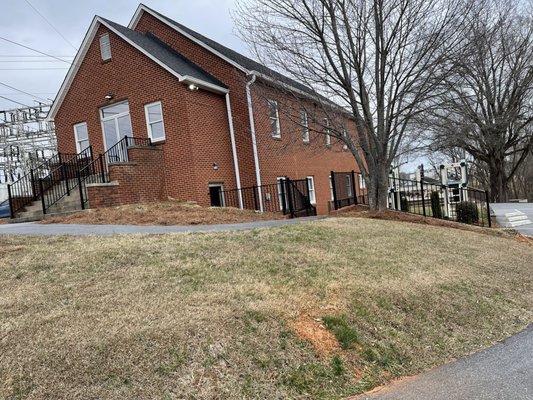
81 136
154 121
311 186
304 122
280 180
345 135
273 114
362 183
105 47
331 188
349 188
326 131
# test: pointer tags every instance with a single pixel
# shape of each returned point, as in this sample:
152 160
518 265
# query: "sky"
57 28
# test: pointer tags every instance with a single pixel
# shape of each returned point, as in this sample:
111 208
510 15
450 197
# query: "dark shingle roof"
240 59
164 53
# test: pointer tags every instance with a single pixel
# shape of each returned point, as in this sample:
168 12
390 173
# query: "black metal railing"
62 180
430 199
348 188
97 171
26 189
291 197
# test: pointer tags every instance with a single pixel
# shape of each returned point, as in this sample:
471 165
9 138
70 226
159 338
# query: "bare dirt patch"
165 213
314 331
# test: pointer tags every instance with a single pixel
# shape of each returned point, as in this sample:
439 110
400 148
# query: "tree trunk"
378 188
499 191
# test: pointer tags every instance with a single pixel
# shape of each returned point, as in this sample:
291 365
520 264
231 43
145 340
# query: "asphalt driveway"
504 371
34 229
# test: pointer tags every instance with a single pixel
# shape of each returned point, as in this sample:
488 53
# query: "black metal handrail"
25 190
62 180
97 171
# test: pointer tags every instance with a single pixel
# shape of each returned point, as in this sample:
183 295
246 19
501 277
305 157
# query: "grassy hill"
316 310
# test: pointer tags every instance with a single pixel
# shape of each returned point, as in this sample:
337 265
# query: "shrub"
436 209
467 212
404 204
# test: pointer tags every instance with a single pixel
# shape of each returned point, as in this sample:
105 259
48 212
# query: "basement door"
116 123
216 195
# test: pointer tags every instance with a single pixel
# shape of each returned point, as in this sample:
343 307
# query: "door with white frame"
116 124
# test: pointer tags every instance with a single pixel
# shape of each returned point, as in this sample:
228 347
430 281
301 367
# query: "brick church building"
215 118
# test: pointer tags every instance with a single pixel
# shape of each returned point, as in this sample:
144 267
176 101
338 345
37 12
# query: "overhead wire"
49 23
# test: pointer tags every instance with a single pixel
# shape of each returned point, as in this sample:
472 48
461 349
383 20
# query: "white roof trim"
83 51
203 84
137 16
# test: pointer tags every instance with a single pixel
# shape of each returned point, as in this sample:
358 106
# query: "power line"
14 101
38 51
49 23
31 69
22 91
28 61
31 55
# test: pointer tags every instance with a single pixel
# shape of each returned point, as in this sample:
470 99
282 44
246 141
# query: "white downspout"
254 141
234 150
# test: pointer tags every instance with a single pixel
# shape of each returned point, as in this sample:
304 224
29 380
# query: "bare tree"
380 59
486 103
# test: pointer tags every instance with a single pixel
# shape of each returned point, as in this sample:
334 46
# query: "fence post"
102 168
488 207
334 190
353 188
41 187
423 197
289 193
81 190
254 188
33 185
11 211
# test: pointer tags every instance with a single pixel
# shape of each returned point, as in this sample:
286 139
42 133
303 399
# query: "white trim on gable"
89 37
137 16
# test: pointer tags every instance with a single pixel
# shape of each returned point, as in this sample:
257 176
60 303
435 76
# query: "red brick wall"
196 123
286 157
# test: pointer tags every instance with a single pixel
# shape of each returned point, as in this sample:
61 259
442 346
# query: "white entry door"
116 123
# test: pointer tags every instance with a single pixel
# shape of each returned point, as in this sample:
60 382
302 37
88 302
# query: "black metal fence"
348 188
460 204
27 189
289 196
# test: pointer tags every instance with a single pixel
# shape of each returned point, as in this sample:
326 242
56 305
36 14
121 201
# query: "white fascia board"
137 16
203 84
87 40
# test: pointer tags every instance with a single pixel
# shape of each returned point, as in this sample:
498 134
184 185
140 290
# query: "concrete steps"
516 218
34 211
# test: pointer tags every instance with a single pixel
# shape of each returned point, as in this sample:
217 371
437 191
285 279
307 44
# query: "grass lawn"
317 310
163 213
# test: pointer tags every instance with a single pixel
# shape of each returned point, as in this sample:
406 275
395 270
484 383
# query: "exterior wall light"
108 96
193 87
215 166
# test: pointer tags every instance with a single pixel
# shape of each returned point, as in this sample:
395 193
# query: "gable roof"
245 64
172 61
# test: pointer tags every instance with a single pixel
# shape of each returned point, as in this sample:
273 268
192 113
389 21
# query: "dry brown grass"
219 315
165 213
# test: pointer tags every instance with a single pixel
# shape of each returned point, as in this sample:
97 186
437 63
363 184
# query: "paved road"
34 229
500 209
504 372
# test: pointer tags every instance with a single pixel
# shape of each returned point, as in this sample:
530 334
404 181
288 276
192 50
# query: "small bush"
467 212
404 204
436 209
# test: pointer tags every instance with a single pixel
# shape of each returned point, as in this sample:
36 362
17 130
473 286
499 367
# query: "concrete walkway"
504 371
34 229
500 209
